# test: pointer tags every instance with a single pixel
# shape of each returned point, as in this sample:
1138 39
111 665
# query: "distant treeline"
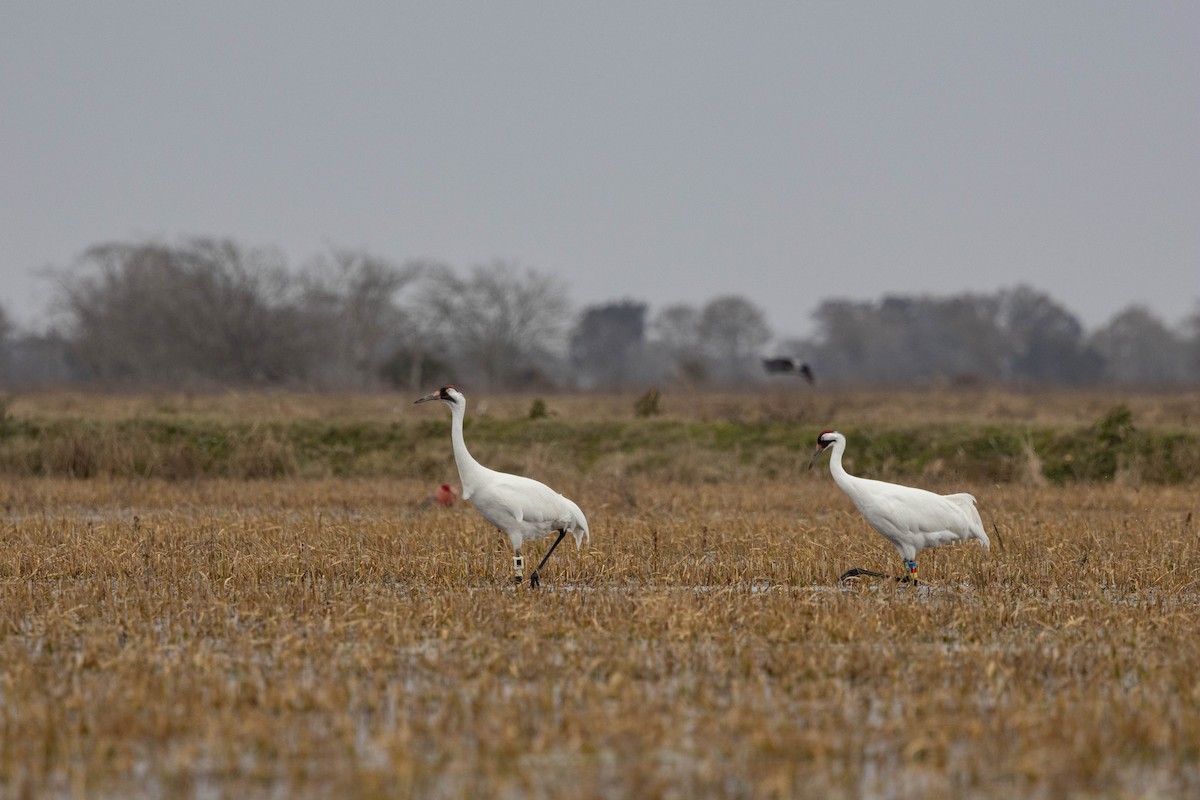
209 313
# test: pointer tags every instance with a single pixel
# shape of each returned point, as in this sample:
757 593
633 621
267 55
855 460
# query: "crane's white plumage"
525 509
911 519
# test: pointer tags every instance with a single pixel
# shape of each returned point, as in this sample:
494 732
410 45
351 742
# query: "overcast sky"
786 151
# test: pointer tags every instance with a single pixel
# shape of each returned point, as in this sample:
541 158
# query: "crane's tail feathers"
977 530
966 502
581 535
581 525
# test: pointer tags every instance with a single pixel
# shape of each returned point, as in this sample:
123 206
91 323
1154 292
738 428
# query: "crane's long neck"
844 480
469 470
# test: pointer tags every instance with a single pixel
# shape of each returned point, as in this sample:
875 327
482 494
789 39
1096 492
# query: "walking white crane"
523 508
911 519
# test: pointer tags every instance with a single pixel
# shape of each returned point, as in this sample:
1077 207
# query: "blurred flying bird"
521 507
911 519
783 365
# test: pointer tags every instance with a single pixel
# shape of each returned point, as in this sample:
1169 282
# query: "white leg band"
519 565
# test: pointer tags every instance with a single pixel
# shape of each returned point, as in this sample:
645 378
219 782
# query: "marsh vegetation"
246 596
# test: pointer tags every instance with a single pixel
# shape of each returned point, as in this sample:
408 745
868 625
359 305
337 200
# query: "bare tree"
909 339
1191 328
6 329
607 344
1138 348
39 360
206 311
503 326
353 298
1015 335
677 337
733 332
1046 340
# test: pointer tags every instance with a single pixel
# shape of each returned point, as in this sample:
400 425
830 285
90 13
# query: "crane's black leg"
854 573
911 577
534 582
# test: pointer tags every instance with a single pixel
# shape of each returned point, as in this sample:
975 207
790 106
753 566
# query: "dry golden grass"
333 638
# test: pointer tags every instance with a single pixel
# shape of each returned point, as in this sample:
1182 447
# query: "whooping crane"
523 508
911 519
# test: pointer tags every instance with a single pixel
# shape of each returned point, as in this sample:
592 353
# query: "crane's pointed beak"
427 398
816 455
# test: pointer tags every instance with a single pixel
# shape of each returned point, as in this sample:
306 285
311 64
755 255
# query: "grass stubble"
334 637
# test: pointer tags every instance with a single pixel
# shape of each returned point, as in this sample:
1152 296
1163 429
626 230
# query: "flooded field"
341 637
331 638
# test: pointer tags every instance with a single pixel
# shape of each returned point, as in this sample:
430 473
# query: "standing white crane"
911 519
523 508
